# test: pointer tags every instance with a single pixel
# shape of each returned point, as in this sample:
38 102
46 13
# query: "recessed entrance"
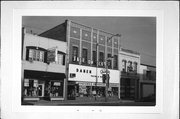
41 90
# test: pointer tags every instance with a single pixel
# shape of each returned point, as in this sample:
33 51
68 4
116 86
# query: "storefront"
90 89
43 85
129 88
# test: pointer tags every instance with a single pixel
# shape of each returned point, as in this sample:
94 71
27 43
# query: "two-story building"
89 51
43 67
147 83
129 64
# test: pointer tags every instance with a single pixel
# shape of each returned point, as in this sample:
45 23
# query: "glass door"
41 90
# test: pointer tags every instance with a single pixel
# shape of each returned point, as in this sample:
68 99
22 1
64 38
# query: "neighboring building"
147 83
88 49
129 64
43 68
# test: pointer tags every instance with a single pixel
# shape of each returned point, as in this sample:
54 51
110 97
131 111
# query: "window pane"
94 57
37 55
41 56
75 54
60 59
84 56
115 62
30 54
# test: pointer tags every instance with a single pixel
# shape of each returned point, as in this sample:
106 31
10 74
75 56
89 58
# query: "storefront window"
56 89
30 88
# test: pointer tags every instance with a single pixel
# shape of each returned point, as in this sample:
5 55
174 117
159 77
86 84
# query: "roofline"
148 65
98 29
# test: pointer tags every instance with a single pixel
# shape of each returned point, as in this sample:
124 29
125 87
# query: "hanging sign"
52 55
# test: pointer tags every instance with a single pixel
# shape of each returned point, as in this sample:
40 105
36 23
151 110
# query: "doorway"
41 90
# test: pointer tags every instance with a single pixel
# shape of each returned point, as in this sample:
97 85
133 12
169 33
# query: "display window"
30 88
56 89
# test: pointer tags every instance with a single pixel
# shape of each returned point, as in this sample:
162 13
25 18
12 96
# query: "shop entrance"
128 88
41 90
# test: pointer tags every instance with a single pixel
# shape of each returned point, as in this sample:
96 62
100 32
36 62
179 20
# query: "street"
90 101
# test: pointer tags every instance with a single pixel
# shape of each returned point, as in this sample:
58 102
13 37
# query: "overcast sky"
138 33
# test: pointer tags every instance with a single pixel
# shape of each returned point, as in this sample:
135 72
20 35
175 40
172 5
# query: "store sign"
51 55
57 84
98 84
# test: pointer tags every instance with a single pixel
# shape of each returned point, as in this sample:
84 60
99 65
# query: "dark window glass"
124 65
75 54
101 59
94 58
115 62
135 67
109 62
84 56
130 68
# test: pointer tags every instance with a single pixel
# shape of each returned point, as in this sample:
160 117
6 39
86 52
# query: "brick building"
87 52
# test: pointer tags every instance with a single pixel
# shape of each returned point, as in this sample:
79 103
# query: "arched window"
135 67
124 65
130 68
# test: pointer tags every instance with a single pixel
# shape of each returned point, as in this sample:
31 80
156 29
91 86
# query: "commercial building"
43 68
89 51
147 83
72 60
129 70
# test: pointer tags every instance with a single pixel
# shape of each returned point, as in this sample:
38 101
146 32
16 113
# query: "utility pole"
107 71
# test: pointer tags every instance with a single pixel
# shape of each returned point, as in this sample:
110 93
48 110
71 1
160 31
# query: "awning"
43 75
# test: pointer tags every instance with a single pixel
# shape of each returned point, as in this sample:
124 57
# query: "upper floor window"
130 68
94 58
135 67
84 56
109 62
75 54
124 65
61 58
101 59
35 54
115 62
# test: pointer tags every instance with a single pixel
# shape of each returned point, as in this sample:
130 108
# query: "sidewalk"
82 101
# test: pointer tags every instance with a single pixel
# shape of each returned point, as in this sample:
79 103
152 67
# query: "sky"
137 33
